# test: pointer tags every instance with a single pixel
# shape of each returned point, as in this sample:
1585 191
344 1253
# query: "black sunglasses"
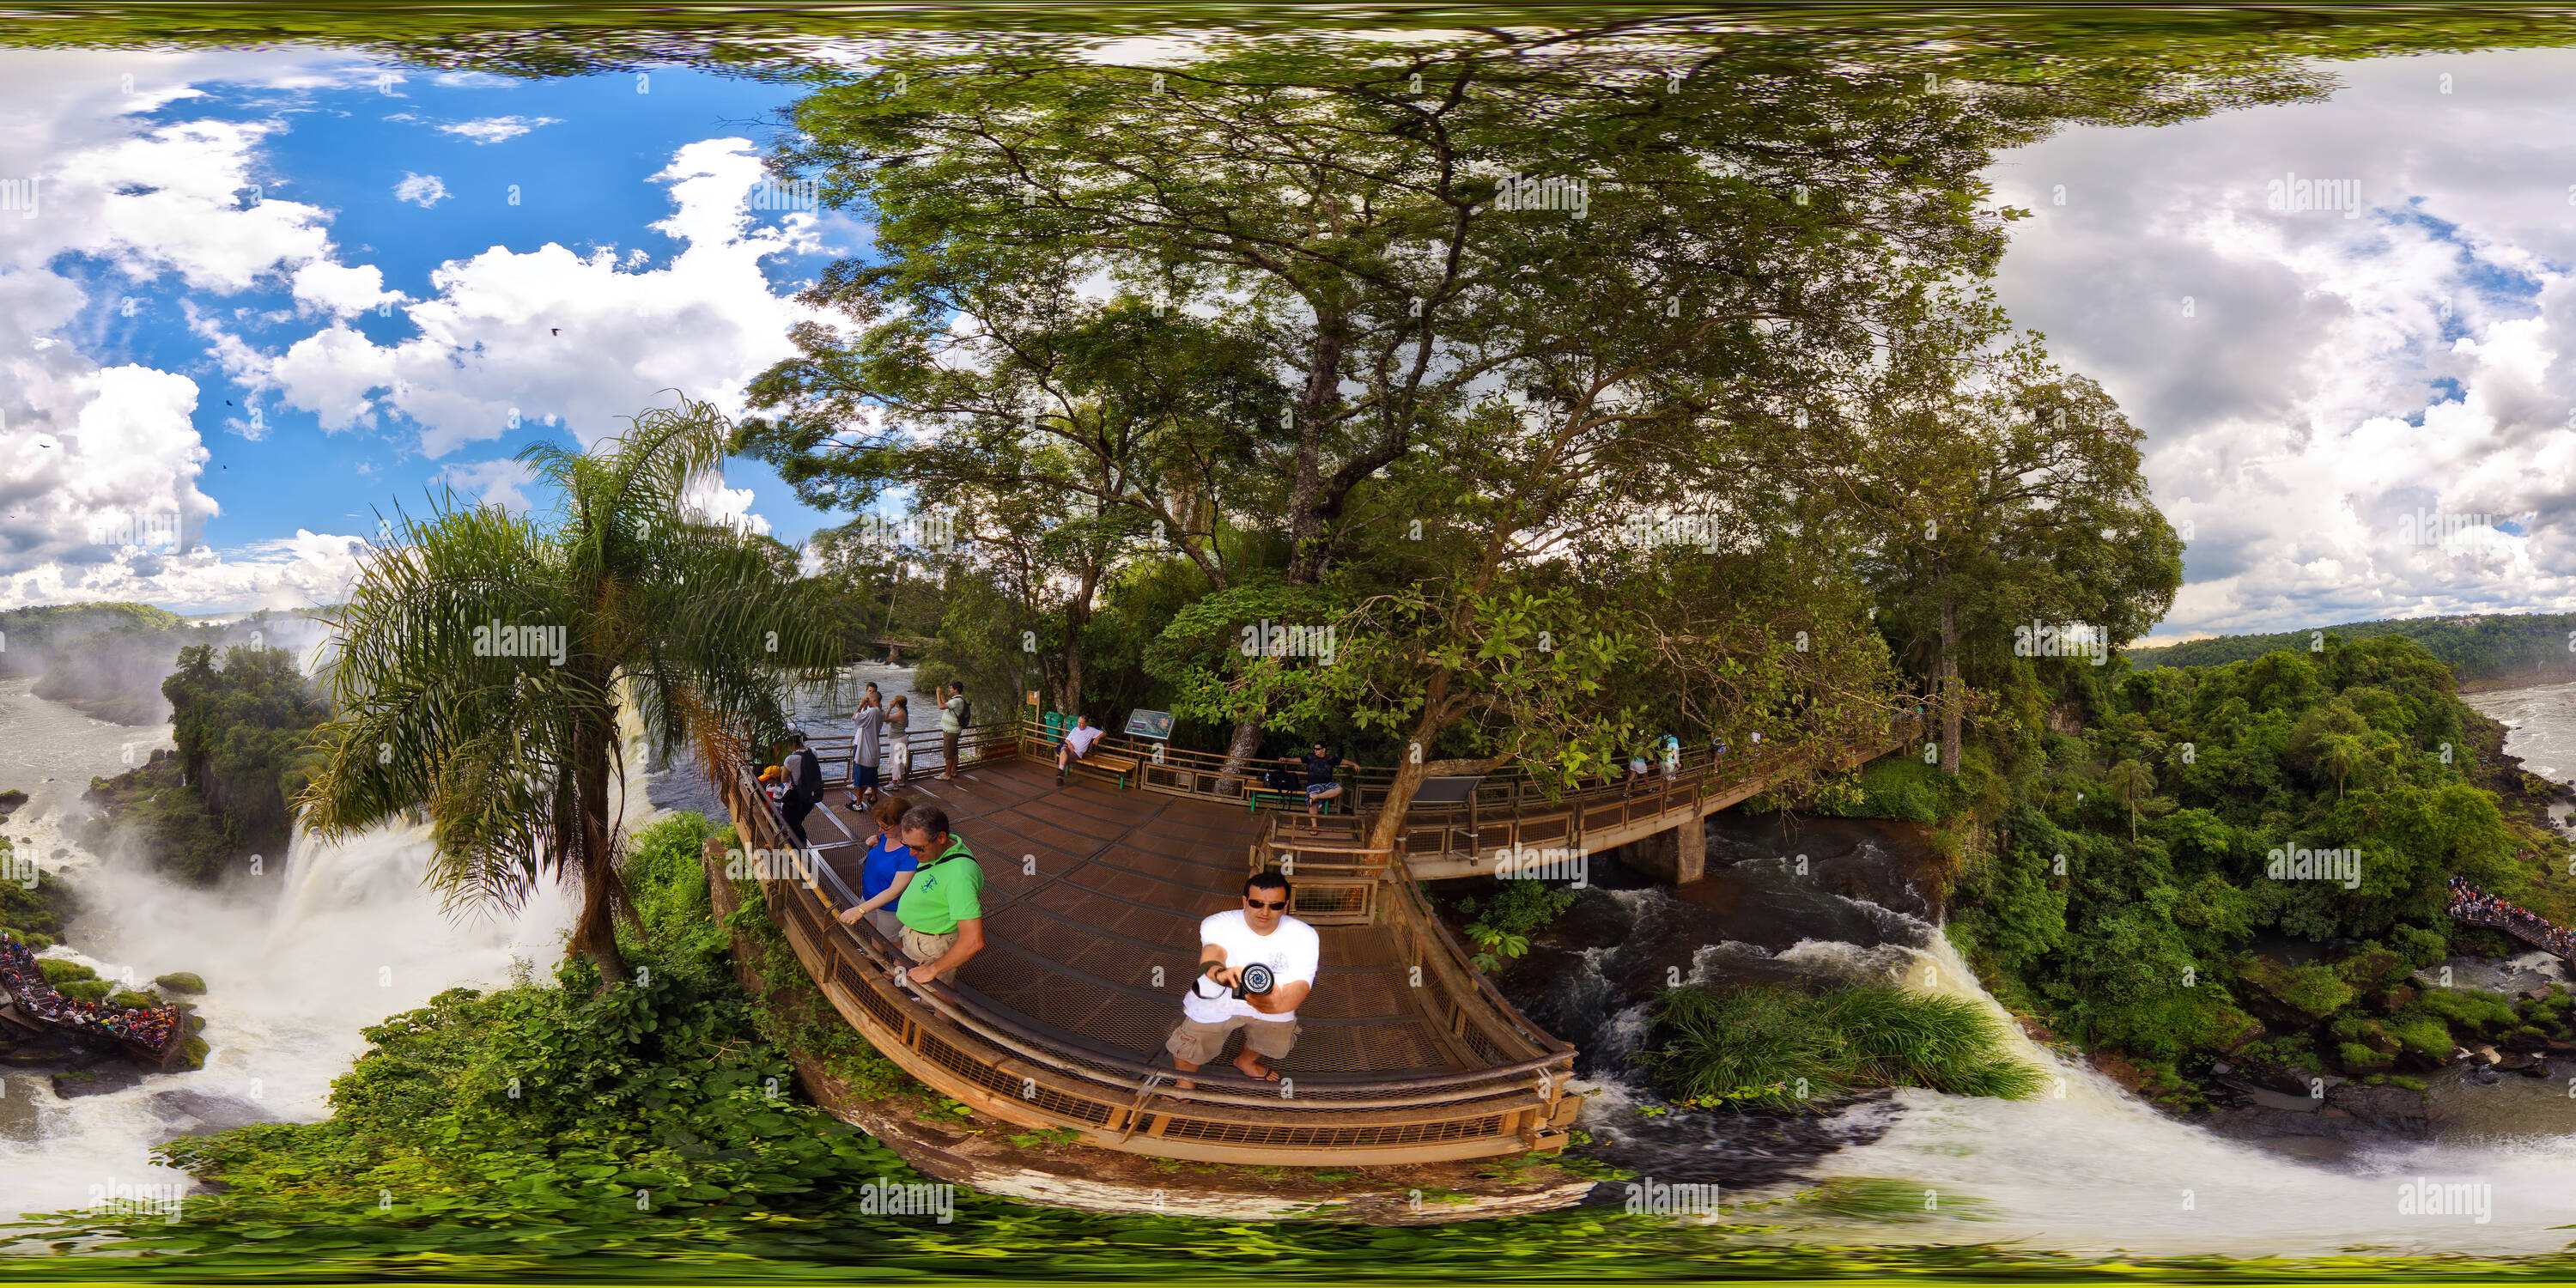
1251 902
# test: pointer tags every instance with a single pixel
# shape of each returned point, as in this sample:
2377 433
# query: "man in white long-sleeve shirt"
1260 931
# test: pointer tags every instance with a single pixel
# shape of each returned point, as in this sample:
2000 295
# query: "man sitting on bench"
1320 785
1078 741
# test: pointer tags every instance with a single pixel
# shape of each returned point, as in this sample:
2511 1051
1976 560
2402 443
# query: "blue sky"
329 253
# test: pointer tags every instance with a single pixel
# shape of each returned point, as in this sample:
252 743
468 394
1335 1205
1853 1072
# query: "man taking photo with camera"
1256 963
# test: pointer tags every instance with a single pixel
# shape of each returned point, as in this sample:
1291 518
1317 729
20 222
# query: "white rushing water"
299 956
298 959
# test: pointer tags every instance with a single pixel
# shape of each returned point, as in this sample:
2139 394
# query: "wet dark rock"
95 1082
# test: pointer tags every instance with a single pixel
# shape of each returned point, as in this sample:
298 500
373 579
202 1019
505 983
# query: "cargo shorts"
1199 1042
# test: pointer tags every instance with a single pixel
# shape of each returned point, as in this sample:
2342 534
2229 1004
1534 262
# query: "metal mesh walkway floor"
1088 890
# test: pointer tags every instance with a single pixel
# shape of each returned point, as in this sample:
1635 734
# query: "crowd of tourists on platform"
2469 903
37 996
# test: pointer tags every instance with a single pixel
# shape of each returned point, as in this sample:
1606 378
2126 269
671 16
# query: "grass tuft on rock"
1779 1048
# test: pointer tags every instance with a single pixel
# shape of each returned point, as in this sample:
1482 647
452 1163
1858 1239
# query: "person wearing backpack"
804 787
954 716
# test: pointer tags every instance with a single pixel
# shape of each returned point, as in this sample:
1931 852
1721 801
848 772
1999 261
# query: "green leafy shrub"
86 990
1515 912
2473 1010
1780 1048
59 972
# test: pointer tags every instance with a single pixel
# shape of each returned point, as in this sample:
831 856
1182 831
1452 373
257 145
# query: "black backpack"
804 772
1280 780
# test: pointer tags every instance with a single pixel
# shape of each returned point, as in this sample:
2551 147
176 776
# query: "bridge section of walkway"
2478 908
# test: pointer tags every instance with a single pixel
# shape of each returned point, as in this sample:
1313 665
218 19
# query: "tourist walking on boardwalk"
804 772
1320 785
898 726
1077 744
952 722
864 749
942 910
1217 1001
886 872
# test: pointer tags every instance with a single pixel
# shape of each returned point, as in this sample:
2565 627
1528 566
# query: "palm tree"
2134 782
2339 754
629 591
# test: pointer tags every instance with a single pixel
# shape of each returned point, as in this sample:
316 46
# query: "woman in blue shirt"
887 869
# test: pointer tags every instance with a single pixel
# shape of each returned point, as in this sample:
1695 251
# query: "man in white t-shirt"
1077 744
1260 931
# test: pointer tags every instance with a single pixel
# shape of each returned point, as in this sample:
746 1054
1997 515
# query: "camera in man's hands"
1256 980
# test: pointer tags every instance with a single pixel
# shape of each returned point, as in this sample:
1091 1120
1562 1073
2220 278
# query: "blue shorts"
1314 790
863 776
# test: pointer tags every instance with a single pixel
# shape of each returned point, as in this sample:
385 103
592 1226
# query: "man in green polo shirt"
942 911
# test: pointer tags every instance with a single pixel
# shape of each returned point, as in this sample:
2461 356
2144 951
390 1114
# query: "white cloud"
495 129
497 482
549 332
2333 377
90 456
422 190
339 290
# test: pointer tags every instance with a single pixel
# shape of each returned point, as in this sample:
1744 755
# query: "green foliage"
59 972
32 913
244 733
178 832
2129 943
2468 1009
1517 910
1779 1048
2521 648
86 990
1900 787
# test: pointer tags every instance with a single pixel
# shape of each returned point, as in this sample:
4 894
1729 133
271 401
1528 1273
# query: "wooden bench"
1108 764
1255 796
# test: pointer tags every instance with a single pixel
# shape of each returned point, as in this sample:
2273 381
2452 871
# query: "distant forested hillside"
2528 648
108 660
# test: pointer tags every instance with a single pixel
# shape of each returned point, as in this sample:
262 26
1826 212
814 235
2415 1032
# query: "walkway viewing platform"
2478 908
1094 892
28 1000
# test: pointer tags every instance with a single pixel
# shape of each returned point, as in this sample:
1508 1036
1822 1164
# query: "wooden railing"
1510 810
1004 1068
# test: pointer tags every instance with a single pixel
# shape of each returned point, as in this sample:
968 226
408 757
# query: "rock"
193 1055
2515 1062
94 1082
182 982
2221 1069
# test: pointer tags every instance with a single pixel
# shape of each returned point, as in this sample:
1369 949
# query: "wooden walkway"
1093 895
1406 1055
2539 932
1093 898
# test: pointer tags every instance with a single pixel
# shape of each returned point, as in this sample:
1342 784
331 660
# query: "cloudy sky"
262 297
2316 385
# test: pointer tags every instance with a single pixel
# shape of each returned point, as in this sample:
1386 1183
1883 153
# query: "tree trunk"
1951 697
595 934
1305 497
1412 767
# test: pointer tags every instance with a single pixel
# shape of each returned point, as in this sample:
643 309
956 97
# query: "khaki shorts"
925 949
1199 1042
